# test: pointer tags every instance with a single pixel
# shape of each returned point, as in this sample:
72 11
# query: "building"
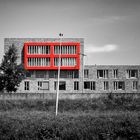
41 55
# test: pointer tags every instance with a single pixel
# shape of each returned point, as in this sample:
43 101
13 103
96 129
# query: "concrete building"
41 55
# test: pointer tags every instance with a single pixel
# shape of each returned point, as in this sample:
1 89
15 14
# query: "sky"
110 28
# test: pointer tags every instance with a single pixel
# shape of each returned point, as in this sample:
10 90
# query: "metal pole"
83 75
59 64
82 54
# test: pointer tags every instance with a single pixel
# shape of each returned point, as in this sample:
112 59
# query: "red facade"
48 59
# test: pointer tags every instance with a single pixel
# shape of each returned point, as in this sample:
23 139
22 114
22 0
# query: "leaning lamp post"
59 65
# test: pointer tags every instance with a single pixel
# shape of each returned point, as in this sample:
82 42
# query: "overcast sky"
111 28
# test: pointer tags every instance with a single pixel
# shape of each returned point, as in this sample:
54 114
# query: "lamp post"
59 64
82 54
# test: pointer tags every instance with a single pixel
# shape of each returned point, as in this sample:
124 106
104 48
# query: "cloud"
107 19
90 48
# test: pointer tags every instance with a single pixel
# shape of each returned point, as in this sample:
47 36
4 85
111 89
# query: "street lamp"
83 55
59 64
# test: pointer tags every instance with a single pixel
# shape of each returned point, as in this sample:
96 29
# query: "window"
106 85
38 49
115 73
86 85
43 85
65 61
53 74
44 55
135 85
73 74
26 85
76 85
132 74
41 74
89 85
62 85
102 73
38 61
119 85
86 73
64 74
65 49
92 85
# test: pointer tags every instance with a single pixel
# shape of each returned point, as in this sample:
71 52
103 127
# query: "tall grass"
102 104
36 126
108 118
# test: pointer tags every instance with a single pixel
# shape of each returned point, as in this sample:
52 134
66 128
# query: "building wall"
19 44
92 72
122 71
99 82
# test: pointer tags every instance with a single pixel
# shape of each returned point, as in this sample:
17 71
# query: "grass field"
87 119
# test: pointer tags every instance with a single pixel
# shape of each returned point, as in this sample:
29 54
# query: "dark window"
89 85
119 85
76 85
62 85
132 73
86 85
102 73
26 85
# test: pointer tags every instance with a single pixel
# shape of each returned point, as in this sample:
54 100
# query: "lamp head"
60 34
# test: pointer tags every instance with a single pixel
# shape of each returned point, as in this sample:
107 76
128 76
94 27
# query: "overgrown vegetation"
41 126
121 103
110 118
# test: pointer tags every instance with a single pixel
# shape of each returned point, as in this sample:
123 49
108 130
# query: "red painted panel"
51 55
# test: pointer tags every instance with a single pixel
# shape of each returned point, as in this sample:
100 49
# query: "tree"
11 74
2 82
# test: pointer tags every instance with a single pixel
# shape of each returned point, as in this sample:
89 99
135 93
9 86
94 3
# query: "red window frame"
51 56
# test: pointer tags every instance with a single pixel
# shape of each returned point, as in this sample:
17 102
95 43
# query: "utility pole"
59 65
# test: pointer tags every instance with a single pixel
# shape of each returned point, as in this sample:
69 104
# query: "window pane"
43 85
62 85
76 85
102 73
86 85
26 85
